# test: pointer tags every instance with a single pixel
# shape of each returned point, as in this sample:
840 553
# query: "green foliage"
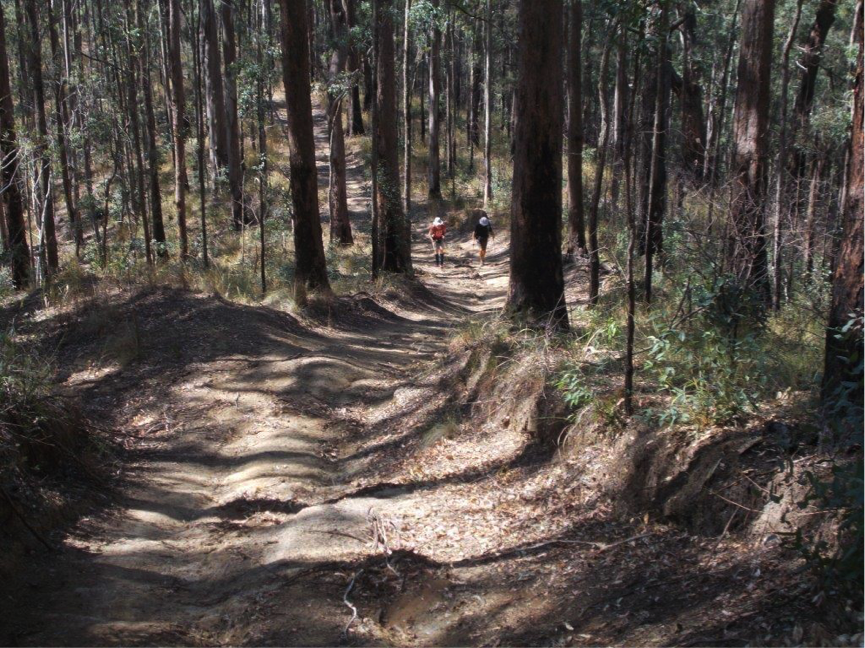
713 378
25 403
710 361
6 287
571 382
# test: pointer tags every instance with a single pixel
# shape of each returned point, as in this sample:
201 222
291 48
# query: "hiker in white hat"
437 236
483 231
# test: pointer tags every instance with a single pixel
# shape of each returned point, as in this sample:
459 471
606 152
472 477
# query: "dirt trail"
316 482
241 477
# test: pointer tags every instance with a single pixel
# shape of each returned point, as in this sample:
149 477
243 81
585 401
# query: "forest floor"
290 481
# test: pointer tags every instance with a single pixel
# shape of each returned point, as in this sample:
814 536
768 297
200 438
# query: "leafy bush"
6 286
713 365
571 381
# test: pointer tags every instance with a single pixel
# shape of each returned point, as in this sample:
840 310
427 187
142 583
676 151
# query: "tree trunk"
340 225
713 144
355 122
434 164
576 226
817 166
844 350
690 95
475 88
135 127
152 144
536 286
368 84
310 33
658 173
603 145
13 206
263 38
215 93
630 325
488 108
809 66
232 123
747 244
178 110
311 269
396 235
45 200
373 124
196 32
406 109
620 98
60 125
781 168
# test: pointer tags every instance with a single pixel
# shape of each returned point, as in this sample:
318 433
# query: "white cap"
485 221
437 221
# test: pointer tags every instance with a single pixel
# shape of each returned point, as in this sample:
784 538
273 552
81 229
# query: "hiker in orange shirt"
436 234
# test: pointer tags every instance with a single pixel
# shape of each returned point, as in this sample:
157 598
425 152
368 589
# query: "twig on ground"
349 603
729 501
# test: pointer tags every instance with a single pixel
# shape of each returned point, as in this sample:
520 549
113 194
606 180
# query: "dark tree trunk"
310 33
434 164
232 122
657 204
13 206
152 145
135 128
406 109
396 235
45 200
368 84
217 131
340 225
536 281
809 66
576 225
713 144
844 351
747 244
178 109
475 87
311 270
60 126
421 94
690 95
355 122
196 31
488 107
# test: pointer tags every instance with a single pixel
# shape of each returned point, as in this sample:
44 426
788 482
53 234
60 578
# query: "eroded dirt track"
240 422
316 482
